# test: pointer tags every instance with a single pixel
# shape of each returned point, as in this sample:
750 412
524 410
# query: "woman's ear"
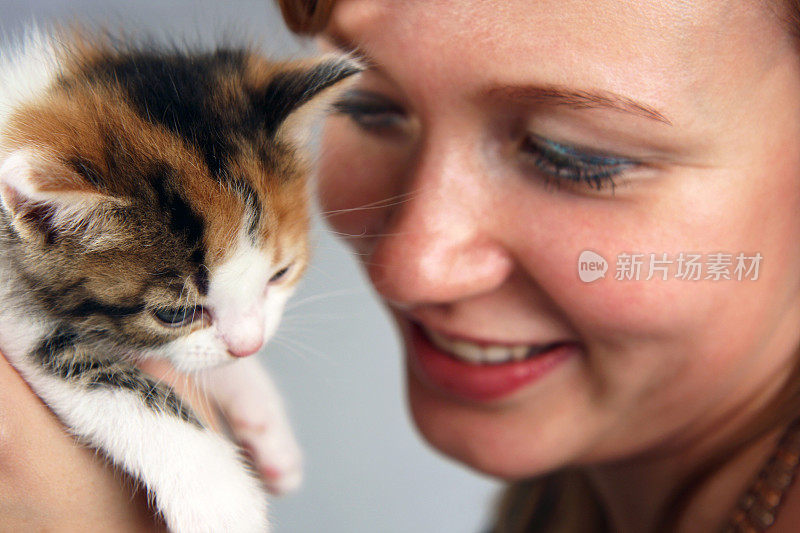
44 199
301 91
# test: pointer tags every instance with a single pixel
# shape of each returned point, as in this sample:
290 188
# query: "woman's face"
491 143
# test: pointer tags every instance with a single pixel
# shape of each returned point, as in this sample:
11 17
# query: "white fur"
28 67
196 477
19 331
236 295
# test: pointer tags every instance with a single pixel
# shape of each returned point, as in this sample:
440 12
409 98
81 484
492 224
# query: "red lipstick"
481 382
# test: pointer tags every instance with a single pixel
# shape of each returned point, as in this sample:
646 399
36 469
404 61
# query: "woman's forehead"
661 53
490 18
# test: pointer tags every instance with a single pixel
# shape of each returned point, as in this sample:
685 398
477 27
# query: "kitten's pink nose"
243 336
244 347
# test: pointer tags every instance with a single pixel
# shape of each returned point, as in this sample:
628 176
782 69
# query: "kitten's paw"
215 494
272 448
254 412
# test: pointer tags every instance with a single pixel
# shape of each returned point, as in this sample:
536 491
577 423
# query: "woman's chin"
498 442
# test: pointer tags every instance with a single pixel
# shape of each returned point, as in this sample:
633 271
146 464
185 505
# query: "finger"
187 389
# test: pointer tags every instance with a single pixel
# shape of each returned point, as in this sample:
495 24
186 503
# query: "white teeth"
476 354
470 351
520 352
497 354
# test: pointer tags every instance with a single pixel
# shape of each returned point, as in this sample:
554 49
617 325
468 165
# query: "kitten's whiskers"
380 204
322 296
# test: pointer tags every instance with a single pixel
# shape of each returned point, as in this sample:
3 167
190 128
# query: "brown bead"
788 458
758 506
761 516
771 497
780 480
747 501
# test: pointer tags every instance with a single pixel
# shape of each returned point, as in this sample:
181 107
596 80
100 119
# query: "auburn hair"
565 501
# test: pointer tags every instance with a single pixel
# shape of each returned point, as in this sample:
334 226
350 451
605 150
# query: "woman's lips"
481 371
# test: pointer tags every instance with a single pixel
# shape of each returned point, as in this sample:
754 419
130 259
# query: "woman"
499 147
491 144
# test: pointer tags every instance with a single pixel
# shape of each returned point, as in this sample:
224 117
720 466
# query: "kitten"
154 205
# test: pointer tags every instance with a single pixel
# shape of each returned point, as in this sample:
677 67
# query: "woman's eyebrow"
556 95
537 94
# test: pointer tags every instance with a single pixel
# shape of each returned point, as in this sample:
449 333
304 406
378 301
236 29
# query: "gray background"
337 357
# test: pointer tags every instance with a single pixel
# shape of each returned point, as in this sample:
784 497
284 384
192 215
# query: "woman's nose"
442 244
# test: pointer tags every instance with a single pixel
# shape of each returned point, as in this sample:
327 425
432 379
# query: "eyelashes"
555 162
566 163
370 111
280 274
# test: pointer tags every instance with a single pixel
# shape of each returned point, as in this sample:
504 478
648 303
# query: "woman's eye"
568 164
370 111
280 274
177 316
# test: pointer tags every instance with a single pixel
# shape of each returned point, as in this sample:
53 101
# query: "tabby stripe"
183 219
158 397
253 204
90 306
61 355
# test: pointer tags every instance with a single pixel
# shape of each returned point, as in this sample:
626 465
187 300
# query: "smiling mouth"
485 354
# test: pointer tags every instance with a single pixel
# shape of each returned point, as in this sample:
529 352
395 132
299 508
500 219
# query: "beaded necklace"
758 507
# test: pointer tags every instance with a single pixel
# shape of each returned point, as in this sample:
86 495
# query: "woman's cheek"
357 175
583 259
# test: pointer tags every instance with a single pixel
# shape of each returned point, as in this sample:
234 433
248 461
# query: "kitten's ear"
44 198
301 91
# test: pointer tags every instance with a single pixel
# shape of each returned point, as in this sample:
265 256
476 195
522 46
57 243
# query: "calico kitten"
154 204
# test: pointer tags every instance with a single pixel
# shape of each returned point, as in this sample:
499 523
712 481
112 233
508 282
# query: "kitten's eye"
174 317
280 274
